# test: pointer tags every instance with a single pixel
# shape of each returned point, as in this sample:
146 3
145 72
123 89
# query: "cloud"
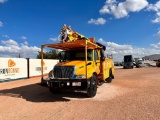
5 36
3 1
156 20
118 51
122 9
99 21
53 39
1 24
156 45
28 50
25 42
158 35
9 42
119 47
155 7
24 38
12 48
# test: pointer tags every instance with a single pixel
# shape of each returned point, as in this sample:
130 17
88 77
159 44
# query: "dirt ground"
134 94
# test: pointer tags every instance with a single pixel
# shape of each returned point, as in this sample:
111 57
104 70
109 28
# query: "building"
153 57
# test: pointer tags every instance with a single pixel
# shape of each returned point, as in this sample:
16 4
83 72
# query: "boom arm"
68 35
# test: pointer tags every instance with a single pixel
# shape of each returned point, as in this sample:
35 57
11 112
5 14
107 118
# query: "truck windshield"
128 59
140 61
77 55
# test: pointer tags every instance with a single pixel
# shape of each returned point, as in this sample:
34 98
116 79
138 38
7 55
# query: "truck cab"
128 62
76 58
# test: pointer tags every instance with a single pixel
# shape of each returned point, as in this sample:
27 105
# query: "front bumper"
128 65
66 83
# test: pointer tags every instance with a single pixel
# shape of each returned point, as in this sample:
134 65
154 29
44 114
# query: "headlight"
82 76
50 75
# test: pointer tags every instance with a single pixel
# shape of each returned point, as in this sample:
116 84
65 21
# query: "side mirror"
60 56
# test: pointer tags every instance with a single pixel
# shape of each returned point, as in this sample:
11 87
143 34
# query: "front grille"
63 72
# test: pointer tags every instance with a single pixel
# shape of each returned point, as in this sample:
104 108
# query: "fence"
20 68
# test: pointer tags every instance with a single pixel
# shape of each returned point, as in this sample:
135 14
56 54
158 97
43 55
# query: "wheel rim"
93 86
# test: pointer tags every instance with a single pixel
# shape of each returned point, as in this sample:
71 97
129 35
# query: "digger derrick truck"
81 66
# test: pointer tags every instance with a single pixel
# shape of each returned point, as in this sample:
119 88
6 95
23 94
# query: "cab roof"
73 45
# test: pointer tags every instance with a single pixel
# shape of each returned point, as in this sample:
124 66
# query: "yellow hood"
80 65
71 63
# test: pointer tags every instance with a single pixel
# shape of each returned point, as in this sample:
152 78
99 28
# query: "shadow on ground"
37 93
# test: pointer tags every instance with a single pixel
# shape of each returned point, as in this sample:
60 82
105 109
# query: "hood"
72 63
79 64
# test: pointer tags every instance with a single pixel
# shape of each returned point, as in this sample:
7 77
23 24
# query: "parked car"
140 63
158 63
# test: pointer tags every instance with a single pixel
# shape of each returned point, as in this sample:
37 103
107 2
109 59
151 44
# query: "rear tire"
109 79
92 89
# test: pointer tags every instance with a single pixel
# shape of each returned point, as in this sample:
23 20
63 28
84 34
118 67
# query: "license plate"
76 83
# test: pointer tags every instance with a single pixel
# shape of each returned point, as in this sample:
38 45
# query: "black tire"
43 83
109 79
92 89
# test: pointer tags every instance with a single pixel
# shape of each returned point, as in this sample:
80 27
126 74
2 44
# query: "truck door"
96 62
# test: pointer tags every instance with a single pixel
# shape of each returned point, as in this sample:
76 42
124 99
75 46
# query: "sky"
123 26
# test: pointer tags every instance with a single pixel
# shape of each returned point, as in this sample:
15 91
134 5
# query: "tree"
52 54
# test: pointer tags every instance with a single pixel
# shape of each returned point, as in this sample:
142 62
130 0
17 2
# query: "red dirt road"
134 94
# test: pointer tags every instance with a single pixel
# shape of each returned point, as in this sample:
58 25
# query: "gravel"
134 94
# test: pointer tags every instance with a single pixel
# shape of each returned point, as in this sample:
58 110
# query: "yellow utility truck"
82 66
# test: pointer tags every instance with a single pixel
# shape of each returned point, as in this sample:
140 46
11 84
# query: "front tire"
92 89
